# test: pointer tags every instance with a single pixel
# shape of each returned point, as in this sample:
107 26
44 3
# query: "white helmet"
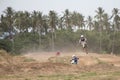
82 36
73 55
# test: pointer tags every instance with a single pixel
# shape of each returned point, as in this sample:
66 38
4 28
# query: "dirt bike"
85 46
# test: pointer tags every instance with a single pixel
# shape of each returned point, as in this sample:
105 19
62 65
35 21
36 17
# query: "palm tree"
45 23
22 21
3 24
77 19
81 21
34 21
19 19
9 19
26 21
95 25
67 19
89 23
52 23
60 23
116 19
116 24
99 17
106 23
39 25
74 18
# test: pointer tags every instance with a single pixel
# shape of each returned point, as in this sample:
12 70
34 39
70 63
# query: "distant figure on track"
58 54
74 59
83 42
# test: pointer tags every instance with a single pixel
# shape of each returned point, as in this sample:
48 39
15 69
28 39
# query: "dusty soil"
84 59
49 66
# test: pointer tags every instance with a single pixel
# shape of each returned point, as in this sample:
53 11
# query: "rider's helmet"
82 36
73 55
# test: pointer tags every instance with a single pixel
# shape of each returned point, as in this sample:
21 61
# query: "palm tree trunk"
100 42
40 37
100 37
53 47
113 41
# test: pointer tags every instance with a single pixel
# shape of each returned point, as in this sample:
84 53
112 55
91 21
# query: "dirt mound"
84 59
48 63
87 61
9 63
6 61
39 65
61 63
40 56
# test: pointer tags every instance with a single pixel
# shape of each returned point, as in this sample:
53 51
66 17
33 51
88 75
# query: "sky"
85 7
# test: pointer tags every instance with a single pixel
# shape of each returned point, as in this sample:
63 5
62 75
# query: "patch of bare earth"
31 65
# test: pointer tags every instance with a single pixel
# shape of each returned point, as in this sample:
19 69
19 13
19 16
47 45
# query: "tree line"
22 30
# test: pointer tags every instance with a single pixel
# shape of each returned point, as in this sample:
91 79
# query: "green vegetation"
36 31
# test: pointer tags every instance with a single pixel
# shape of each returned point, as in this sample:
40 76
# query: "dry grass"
48 66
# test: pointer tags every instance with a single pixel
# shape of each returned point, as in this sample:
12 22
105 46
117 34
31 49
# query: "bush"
63 40
6 45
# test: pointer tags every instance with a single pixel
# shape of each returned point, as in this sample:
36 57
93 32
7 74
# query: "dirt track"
48 66
84 59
